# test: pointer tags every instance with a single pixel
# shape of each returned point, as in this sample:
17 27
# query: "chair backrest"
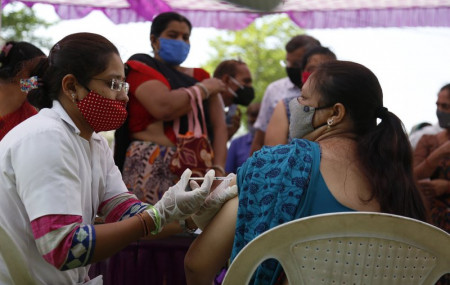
14 260
349 248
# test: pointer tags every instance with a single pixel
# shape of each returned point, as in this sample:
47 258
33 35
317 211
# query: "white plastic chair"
14 260
349 248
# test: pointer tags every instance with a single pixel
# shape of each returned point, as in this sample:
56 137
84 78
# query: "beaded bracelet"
203 87
157 218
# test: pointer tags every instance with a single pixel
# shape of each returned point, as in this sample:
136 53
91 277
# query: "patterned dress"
276 185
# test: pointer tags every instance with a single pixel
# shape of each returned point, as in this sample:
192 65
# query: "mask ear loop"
236 82
232 92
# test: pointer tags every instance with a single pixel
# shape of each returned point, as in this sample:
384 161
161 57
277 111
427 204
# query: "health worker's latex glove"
177 203
215 200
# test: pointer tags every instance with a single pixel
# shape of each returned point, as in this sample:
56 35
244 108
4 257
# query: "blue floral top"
276 185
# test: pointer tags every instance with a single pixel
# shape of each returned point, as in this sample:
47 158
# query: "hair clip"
7 48
28 84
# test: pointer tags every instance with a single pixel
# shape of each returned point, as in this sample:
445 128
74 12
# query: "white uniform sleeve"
45 165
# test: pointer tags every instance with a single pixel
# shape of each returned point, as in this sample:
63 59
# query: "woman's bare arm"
212 248
277 131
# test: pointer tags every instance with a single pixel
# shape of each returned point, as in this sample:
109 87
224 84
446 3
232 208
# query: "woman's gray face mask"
301 119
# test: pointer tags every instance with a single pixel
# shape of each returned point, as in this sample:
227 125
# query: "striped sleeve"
120 207
63 241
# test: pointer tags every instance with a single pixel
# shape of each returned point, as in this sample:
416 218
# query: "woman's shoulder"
296 145
298 152
139 72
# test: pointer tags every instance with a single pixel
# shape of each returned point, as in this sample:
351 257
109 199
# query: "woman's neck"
76 116
11 98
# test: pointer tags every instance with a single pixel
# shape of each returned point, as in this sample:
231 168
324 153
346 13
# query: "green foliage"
19 23
261 45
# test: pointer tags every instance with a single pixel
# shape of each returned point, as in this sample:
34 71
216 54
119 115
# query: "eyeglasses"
116 85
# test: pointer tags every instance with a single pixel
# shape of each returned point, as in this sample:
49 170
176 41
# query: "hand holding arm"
223 192
177 203
213 85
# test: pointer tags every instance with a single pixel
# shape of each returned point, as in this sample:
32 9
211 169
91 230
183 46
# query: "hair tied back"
6 49
381 112
28 84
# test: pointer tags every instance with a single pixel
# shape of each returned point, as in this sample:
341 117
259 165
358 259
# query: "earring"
73 97
330 122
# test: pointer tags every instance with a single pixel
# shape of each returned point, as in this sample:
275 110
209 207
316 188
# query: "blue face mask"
173 52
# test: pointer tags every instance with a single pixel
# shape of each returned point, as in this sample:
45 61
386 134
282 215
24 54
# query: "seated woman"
146 145
18 62
345 161
277 131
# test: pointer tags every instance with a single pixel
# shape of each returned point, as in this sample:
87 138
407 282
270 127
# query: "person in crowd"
145 145
432 164
238 79
240 147
331 165
58 173
418 127
430 129
18 61
288 87
277 131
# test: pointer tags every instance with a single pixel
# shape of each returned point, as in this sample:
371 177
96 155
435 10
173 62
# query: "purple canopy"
305 13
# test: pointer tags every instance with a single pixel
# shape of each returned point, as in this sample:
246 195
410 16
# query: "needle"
203 178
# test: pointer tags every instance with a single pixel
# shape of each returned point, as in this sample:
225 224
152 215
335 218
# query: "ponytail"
41 97
386 155
383 149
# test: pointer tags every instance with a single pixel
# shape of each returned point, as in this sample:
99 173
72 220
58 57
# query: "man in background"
239 149
238 79
286 87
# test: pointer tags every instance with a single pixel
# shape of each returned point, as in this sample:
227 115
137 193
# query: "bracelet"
157 220
185 227
144 224
203 87
218 167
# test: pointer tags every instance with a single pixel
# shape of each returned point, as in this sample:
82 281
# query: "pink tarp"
306 13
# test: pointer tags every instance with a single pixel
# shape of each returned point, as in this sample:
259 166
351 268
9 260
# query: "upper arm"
278 128
212 248
154 96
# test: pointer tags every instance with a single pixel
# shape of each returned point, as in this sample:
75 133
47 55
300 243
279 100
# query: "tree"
261 45
20 22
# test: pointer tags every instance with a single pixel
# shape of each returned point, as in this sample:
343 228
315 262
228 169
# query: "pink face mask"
305 76
101 113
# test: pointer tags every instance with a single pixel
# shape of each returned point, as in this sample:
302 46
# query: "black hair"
82 54
384 149
14 56
301 41
445 87
227 67
314 51
160 22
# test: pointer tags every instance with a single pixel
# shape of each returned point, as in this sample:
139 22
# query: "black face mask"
295 75
244 95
